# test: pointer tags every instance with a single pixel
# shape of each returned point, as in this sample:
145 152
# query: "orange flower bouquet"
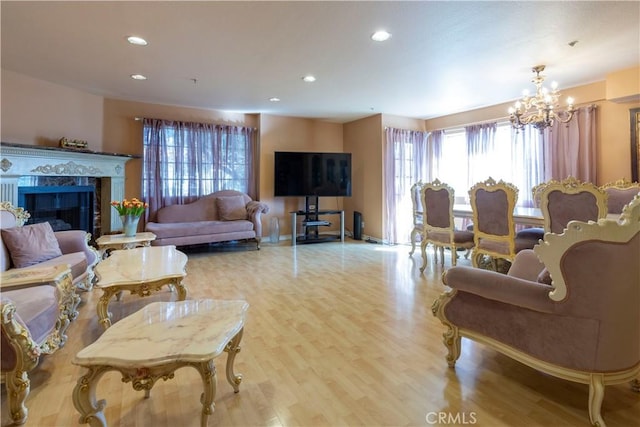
133 207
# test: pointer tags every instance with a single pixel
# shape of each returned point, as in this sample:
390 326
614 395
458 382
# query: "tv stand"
311 222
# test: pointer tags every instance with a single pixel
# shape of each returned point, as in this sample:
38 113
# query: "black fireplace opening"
64 207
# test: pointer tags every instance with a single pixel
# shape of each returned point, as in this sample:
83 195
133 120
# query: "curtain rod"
139 119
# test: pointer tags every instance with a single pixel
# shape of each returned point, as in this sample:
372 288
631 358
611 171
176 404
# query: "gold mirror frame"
635 143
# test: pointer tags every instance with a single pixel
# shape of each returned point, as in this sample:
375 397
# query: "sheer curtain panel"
571 148
405 162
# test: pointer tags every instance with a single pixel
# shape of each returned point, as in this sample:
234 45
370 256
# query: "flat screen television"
312 174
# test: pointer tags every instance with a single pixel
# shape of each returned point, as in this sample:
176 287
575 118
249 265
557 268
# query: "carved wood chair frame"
570 185
429 229
508 240
416 231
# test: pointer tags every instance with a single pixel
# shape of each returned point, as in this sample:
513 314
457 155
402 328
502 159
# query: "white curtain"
433 155
405 162
480 146
526 163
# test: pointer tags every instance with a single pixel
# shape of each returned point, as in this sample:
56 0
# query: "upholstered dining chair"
620 193
492 204
571 199
416 203
569 308
439 226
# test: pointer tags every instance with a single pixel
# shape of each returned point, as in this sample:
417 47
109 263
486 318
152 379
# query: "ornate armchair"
571 199
417 215
492 204
37 245
438 223
36 307
620 193
570 307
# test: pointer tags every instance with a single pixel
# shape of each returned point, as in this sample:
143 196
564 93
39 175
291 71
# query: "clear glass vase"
130 224
274 232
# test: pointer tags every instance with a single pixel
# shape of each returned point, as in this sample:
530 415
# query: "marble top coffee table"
139 271
157 340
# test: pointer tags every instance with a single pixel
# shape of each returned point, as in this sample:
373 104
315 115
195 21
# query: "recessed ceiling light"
137 40
274 99
309 79
380 36
138 77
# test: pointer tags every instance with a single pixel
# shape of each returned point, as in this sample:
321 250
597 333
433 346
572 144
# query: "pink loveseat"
222 216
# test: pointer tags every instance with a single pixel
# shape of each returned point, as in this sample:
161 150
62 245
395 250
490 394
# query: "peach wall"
363 139
279 133
624 85
36 112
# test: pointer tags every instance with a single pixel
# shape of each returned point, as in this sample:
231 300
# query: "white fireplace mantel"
23 160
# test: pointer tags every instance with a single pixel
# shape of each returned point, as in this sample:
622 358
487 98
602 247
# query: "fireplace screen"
64 207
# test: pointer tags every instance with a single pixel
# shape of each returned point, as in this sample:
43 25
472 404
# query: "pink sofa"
222 216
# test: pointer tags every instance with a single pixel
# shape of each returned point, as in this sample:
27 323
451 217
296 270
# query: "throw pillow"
31 244
231 208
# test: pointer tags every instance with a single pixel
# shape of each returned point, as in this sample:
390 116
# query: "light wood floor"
336 335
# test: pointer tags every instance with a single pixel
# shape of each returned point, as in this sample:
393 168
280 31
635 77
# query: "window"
184 161
513 157
517 158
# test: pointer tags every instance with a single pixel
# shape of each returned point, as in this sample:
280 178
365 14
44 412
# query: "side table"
154 342
120 241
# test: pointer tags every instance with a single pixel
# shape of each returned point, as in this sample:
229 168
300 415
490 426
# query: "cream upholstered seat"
579 322
416 203
438 223
571 199
620 193
492 204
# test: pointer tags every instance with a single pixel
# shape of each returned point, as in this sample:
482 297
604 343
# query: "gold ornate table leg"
182 291
102 307
233 348
84 398
208 373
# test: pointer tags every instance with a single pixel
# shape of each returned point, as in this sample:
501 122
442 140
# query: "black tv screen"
312 174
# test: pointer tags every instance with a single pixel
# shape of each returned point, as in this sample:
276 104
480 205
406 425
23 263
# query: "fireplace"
67 207
67 188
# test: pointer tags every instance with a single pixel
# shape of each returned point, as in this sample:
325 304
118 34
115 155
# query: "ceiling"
442 58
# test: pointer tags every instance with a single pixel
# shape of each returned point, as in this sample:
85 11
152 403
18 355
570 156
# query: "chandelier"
542 109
